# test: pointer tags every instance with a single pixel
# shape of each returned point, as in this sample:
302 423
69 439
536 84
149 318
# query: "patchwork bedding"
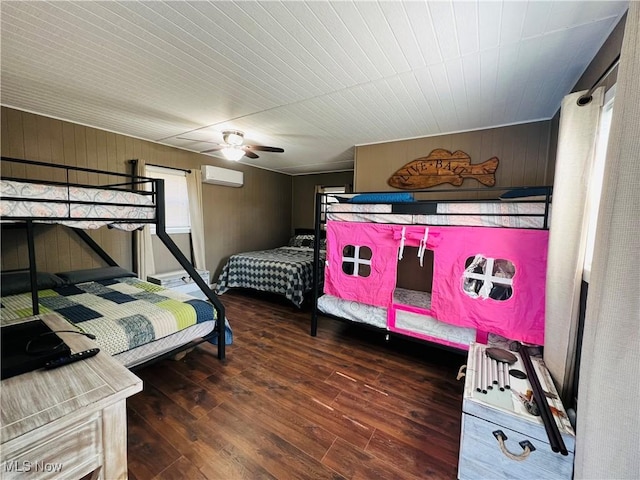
123 313
86 208
286 271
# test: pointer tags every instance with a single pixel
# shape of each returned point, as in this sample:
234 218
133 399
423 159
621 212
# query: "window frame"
594 189
172 227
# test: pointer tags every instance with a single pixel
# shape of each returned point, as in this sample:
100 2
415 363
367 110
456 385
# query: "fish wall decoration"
442 166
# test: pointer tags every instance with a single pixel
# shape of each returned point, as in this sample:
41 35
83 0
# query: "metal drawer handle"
527 447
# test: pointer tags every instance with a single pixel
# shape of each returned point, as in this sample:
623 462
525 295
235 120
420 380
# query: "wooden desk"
67 422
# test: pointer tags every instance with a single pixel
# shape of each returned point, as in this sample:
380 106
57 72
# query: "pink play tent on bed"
490 279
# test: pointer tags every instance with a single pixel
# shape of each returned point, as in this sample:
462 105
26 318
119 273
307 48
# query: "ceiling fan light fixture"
233 153
233 137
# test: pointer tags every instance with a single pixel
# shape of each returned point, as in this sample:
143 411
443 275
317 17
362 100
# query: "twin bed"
286 270
133 320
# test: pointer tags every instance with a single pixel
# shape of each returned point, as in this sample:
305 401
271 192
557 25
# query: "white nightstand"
486 417
179 280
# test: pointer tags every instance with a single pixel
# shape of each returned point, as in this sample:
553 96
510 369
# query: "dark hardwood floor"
345 404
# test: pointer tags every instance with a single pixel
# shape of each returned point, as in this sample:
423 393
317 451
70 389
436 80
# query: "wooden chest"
487 417
179 280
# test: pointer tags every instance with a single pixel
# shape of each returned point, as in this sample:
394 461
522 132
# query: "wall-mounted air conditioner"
222 176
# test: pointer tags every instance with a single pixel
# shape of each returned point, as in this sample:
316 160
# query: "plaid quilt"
122 313
286 271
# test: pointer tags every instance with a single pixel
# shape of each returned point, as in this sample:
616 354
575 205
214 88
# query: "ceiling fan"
233 148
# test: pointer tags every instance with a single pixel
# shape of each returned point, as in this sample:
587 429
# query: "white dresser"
179 280
500 439
67 423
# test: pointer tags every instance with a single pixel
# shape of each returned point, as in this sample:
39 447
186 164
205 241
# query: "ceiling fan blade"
249 153
214 149
262 148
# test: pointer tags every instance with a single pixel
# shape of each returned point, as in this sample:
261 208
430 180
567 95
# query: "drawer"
68 452
481 455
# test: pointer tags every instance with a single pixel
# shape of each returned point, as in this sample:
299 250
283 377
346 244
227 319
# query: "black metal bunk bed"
76 209
522 207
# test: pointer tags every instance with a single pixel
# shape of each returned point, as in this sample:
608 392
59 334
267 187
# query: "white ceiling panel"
312 77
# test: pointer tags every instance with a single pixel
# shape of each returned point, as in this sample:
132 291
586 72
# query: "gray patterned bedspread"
286 271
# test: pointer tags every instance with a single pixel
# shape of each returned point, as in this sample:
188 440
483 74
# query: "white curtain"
567 236
608 413
194 188
144 250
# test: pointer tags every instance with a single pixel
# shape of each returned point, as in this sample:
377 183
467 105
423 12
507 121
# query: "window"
488 278
176 198
356 260
595 181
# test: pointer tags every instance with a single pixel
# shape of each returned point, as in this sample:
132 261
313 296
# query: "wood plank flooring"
285 405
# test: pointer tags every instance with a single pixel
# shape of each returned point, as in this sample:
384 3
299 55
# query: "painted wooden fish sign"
442 166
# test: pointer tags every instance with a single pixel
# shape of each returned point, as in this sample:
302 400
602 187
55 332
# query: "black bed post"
33 274
316 265
186 264
134 236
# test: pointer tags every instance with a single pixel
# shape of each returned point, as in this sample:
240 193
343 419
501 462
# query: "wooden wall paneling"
532 159
543 155
10 259
519 149
505 169
91 161
45 127
30 132
471 143
519 157
487 150
69 149
80 137
13 142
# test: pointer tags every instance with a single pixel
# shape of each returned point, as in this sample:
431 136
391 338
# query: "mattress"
148 351
415 298
474 214
85 208
286 271
440 332
354 311
406 322
123 313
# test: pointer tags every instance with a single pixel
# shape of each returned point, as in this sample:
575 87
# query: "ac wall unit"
222 176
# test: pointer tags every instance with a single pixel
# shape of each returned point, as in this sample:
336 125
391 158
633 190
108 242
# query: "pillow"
302 241
525 193
19 282
95 274
390 197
